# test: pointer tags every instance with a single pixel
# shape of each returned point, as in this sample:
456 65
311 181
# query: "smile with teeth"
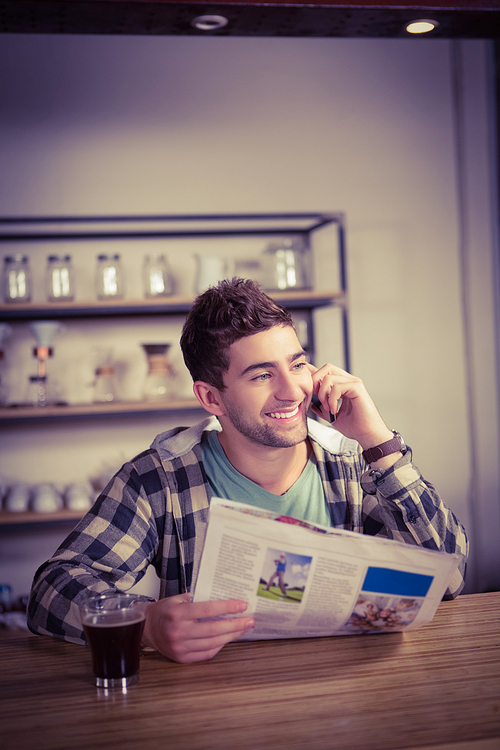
283 414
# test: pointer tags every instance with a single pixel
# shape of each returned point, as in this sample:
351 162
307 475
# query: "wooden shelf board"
9 518
117 408
166 305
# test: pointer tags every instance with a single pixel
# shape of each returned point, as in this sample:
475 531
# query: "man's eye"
264 376
299 365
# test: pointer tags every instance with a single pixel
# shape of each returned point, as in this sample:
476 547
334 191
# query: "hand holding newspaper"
303 581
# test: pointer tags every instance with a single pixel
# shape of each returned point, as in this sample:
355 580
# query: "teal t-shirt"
304 500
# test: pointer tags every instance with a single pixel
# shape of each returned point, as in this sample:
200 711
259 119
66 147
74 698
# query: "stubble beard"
265 434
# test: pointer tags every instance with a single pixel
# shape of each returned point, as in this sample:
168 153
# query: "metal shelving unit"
22 230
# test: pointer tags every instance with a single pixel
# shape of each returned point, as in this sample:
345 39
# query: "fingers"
185 632
328 369
344 396
208 639
330 384
203 610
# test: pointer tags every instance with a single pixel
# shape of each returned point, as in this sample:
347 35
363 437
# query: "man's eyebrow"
269 365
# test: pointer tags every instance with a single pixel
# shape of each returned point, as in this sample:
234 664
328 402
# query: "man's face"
268 388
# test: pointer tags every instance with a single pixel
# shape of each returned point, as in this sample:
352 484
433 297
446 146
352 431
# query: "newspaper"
304 581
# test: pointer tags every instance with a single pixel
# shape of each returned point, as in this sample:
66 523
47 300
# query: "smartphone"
317 403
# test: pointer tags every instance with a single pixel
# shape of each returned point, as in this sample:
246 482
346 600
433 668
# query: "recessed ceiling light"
209 23
422 26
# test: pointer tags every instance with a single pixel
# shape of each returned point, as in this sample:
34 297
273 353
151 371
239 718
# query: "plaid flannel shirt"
153 508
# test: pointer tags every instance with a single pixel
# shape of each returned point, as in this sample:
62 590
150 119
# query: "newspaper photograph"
304 581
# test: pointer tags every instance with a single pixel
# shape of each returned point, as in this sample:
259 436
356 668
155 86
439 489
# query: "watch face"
400 438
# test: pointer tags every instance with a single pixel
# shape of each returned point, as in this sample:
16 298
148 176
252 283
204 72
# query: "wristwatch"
393 445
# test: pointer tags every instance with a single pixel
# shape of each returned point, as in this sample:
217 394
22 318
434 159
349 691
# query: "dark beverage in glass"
113 625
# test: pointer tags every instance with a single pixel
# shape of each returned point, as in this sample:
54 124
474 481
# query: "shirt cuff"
403 474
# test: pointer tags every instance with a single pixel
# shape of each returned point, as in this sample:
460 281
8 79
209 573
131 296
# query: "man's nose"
289 387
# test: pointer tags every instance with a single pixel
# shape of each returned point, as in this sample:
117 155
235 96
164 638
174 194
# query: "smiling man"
251 374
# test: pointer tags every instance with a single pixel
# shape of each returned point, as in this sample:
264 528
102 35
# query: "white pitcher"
209 271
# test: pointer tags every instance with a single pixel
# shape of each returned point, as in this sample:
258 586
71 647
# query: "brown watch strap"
384 449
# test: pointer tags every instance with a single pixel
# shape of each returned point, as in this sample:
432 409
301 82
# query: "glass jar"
59 283
287 265
17 278
109 277
157 276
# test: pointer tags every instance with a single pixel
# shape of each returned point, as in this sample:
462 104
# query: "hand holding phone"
318 408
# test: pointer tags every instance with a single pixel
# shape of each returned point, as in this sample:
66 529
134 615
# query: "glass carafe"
158 383
104 386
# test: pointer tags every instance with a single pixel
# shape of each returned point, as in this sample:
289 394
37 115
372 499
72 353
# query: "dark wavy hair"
220 316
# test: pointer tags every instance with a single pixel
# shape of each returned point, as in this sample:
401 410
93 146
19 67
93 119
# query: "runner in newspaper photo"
258 445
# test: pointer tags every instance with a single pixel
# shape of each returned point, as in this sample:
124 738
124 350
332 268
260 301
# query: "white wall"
117 125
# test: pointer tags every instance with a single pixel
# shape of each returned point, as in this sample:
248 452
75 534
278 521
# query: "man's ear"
209 397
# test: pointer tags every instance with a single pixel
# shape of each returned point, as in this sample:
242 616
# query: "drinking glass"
113 623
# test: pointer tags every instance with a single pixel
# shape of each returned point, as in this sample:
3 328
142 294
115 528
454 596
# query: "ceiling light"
209 23
422 26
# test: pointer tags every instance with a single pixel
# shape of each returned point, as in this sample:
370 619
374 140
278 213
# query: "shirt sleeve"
401 505
110 548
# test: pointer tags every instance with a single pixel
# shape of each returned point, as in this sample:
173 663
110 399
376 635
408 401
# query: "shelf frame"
43 228
303 224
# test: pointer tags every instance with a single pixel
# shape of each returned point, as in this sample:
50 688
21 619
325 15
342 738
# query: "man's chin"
285 438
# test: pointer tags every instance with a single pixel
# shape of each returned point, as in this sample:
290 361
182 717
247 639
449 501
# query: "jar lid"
294 244
17 258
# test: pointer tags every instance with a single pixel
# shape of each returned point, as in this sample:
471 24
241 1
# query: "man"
279 573
251 374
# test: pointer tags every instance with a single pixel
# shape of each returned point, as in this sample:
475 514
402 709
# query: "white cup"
77 497
18 498
46 499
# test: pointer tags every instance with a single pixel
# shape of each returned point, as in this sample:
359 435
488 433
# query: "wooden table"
436 687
